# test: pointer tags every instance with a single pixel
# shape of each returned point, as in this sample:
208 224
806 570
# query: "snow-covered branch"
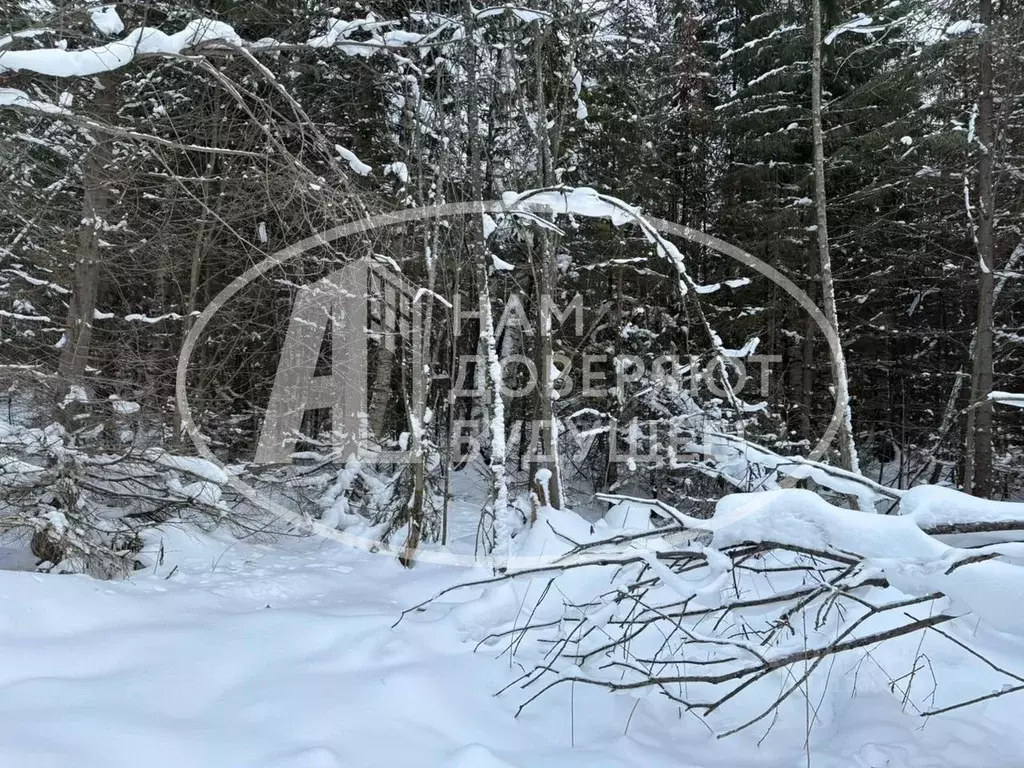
149 41
12 98
784 581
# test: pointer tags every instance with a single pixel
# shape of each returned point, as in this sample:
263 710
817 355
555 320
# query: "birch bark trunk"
495 406
847 450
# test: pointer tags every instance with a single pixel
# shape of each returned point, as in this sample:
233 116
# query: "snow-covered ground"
266 656
233 654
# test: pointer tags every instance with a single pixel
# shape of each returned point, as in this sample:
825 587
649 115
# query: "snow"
198 492
11 467
958 28
399 170
232 654
861 24
735 455
1007 398
911 560
137 318
12 97
489 225
399 38
805 519
745 351
781 31
526 15
707 289
543 479
933 506
106 20
124 407
105 58
21 316
250 656
629 516
229 653
59 62
582 201
357 165
6 40
338 29
588 202
193 465
75 394
242 652
581 107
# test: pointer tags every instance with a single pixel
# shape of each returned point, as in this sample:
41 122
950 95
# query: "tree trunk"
195 272
380 395
807 380
492 365
847 450
978 459
422 335
85 286
549 493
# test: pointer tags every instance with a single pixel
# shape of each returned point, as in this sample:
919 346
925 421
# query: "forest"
666 350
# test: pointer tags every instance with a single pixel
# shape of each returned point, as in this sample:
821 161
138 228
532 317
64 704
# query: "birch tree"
840 380
495 404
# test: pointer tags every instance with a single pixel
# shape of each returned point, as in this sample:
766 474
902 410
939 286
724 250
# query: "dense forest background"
140 179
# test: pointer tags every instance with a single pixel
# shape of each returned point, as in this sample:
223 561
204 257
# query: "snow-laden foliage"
775 597
157 156
84 510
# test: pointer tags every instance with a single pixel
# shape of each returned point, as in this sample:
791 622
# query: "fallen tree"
757 604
